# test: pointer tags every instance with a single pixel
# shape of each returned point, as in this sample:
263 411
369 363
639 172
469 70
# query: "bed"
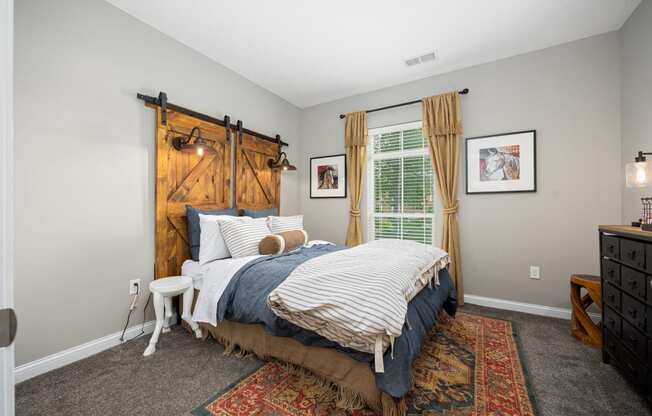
234 173
231 306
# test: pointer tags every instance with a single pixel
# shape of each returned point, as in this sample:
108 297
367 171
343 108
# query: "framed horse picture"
501 163
328 176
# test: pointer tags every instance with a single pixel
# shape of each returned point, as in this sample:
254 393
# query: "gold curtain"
442 125
355 140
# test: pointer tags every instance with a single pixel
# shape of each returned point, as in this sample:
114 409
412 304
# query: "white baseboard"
59 359
530 308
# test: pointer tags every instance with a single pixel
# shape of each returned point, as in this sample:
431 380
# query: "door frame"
7 399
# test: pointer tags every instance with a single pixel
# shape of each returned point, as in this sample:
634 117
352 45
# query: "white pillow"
282 224
243 235
211 243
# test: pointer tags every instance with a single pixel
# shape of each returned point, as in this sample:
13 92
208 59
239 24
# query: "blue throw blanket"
245 301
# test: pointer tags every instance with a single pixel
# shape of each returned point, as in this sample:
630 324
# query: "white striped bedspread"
359 297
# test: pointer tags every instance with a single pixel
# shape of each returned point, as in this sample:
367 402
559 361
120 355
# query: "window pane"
403 187
387 227
417 229
413 139
387 185
387 142
417 185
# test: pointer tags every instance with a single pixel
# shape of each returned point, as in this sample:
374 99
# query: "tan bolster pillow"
283 242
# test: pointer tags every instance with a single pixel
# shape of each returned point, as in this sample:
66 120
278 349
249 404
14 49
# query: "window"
400 184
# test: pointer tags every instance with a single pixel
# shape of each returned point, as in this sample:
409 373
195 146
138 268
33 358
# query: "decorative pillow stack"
243 235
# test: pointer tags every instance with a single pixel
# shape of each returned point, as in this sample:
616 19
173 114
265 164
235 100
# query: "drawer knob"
633 284
632 312
611 273
632 254
612 297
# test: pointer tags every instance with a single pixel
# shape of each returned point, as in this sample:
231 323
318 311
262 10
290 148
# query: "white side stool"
163 290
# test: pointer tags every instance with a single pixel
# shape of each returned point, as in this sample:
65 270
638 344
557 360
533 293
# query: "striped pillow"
281 224
243 235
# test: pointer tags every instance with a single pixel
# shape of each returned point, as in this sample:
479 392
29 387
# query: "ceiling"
310 52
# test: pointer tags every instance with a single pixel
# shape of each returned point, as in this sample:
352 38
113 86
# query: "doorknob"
7 327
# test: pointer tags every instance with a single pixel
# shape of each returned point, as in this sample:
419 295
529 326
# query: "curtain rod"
157 102
463 92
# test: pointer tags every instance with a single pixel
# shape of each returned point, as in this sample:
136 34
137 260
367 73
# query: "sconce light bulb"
200 151
285 168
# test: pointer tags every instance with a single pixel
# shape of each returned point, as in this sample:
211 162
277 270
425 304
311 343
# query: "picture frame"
328 177
501 163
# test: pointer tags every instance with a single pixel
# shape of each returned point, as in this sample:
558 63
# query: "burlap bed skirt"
354 381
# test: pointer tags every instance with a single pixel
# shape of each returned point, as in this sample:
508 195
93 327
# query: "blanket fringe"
392 406
326 391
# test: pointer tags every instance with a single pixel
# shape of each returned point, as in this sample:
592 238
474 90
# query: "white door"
6 197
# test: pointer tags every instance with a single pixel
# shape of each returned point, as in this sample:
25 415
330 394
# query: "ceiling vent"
428 57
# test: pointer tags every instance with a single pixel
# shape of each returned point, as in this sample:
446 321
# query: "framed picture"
501 163
328 176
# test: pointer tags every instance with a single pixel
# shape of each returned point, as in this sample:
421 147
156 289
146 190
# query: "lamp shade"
638 174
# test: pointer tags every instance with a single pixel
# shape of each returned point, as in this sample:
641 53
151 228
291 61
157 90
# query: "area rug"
468 366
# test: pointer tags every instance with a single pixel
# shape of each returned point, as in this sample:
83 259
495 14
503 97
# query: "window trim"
372 157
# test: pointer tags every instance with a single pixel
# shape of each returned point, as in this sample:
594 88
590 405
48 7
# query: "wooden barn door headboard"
256 185
186 179
205 181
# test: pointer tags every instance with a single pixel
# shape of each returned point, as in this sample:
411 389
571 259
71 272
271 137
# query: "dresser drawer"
634 340
633 282
611 344
612 296
632 366
611 271
632 253
611 246
633 311
612 321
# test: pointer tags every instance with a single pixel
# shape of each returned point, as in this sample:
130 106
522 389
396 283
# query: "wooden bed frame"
205 182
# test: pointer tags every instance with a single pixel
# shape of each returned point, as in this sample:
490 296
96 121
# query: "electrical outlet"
134 286
535 273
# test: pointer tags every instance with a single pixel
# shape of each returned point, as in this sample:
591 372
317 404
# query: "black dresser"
626 271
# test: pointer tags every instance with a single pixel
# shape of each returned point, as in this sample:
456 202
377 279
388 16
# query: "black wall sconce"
638 173
281 162
200 145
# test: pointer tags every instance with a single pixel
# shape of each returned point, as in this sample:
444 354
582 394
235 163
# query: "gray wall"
636 99
570 95
85 160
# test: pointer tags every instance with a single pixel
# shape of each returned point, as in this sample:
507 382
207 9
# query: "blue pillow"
260 213
192 217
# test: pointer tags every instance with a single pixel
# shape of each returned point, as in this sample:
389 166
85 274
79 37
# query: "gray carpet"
567 377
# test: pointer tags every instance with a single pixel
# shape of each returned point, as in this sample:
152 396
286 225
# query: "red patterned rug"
469 366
